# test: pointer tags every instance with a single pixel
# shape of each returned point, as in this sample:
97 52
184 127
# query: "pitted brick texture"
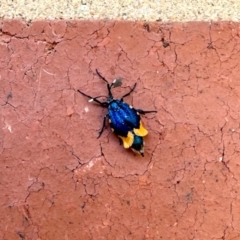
57 181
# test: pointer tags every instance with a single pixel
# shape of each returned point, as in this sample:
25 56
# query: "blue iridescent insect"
124 120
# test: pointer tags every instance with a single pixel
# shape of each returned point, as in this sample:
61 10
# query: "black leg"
144 112
120 141
127 94
103 126
103 104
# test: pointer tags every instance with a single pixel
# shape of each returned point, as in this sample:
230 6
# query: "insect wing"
123 118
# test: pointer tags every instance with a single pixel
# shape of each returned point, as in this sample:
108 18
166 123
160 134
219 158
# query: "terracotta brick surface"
58 181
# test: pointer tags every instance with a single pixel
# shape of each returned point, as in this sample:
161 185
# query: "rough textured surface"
154 10
57 181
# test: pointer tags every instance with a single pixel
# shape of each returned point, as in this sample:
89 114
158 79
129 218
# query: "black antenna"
108 85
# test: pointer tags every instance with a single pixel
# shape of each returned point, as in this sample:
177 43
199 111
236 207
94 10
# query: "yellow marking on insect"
127 141
112 129
141 131
109 120
130 106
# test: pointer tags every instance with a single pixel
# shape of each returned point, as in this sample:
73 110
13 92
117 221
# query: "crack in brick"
190 168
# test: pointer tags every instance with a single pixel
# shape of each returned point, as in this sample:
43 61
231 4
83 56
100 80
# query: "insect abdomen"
138 145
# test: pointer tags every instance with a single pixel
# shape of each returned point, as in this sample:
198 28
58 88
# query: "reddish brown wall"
58 181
